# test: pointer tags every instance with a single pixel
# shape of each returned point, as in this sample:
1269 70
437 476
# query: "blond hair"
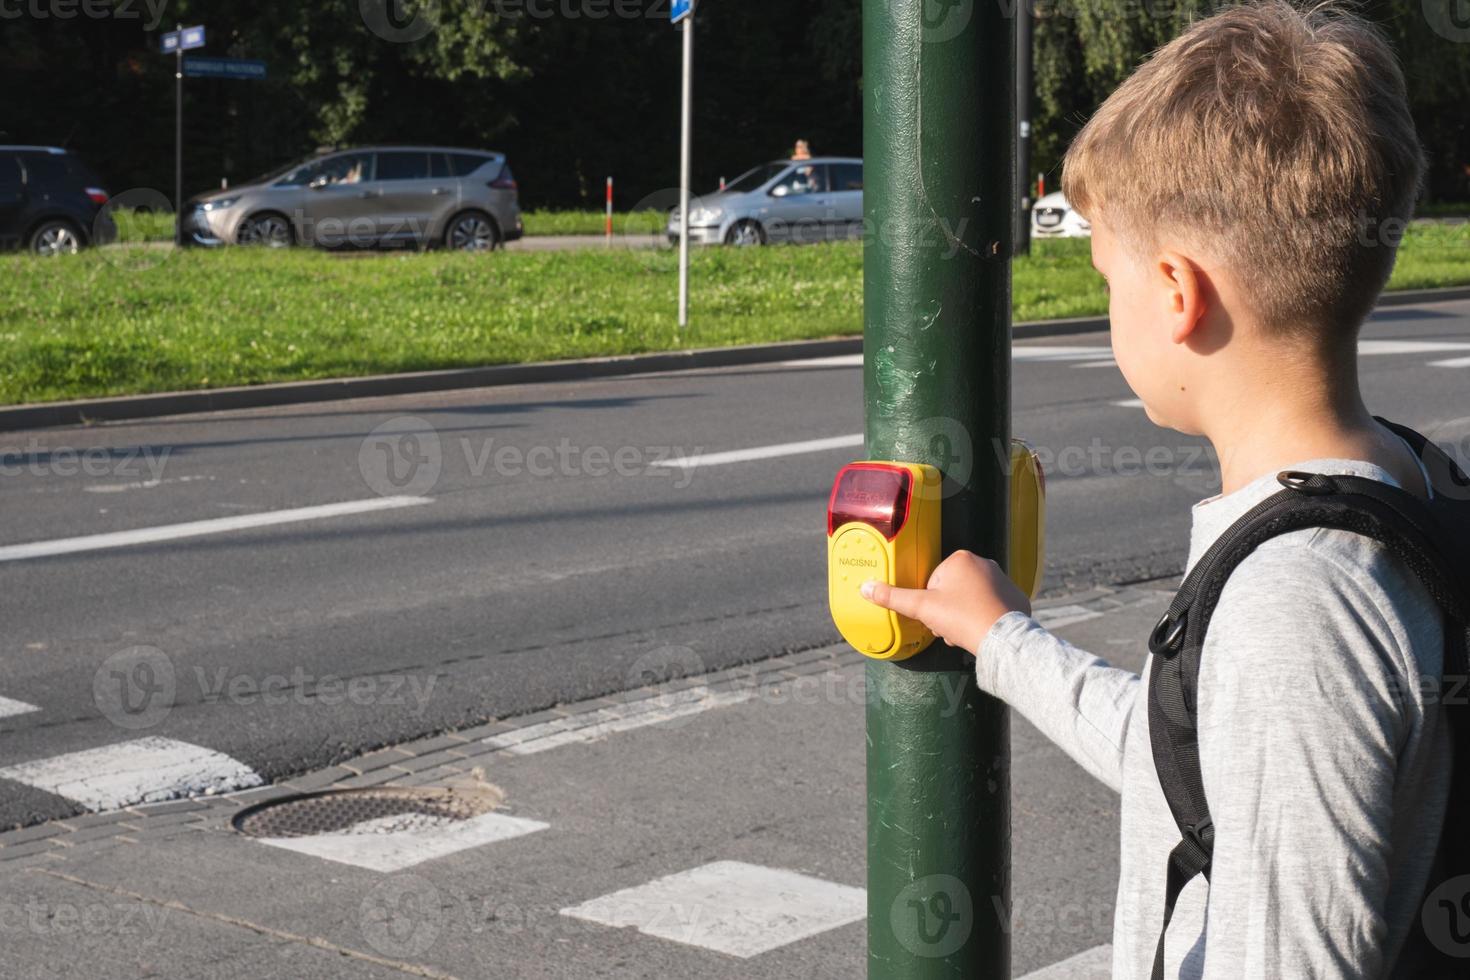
1276 137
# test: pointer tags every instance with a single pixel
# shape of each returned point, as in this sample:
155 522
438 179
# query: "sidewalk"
711 827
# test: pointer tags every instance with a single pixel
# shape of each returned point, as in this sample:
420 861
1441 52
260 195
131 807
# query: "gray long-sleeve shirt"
1321 746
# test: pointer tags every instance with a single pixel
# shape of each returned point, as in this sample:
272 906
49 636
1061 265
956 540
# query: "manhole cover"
365 811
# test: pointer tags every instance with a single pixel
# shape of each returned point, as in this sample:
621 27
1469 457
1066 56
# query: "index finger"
905 602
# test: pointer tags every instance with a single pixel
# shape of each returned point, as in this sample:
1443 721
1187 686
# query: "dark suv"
49 200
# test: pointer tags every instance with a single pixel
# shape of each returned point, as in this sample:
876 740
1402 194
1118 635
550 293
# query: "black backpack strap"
1402 522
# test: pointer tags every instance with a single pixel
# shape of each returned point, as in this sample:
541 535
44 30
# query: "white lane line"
1023 353
1064 354
1453 362
608 721
836 360
730 907
8 708
390 844
194 529
763 452
1130 403
1381 347
1059 616
147 770
1093 964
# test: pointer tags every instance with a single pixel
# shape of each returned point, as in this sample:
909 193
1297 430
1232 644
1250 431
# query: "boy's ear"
1184 286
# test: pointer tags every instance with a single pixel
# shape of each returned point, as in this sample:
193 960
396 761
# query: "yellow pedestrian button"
882 525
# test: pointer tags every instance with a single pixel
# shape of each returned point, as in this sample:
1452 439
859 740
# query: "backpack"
1432 538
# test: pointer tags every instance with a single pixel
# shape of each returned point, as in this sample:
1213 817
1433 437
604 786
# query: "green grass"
541 222
141 226
130 320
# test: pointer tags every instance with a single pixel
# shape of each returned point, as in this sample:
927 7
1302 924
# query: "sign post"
683 13
1025 83
176 42
939 135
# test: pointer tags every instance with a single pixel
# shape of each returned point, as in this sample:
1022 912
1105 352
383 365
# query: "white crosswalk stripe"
146 770
730 907
594 725
388 844
9 708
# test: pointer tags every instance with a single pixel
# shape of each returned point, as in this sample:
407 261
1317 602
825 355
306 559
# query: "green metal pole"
939 146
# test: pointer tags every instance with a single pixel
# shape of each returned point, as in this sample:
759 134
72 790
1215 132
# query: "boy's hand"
966 595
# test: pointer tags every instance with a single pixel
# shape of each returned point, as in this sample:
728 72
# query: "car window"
753 179
9 172
464 164
345 168
847 176
805 178
403 165
46 169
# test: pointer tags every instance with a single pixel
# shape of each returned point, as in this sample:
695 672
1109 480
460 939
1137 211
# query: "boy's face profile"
1154 308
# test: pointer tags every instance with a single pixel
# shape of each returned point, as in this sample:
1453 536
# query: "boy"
1238 185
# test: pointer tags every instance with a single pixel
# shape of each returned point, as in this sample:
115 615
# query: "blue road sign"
191 37
170 42
224 68
680 10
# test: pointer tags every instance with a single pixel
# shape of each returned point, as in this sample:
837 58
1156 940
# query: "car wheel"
472 231
745 233
270 230
56 237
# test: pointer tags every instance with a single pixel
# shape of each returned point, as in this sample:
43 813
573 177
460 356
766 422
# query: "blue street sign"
224 68
170 42
680 10
191 37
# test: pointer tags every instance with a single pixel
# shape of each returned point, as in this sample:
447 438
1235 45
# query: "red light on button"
872 493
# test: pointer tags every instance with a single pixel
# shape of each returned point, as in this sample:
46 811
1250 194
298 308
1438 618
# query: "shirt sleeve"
1301 719
1076 699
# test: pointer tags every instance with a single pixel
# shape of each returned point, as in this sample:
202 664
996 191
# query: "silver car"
422 196
785 201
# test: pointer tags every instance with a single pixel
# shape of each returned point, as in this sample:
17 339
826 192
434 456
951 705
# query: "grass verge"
133 320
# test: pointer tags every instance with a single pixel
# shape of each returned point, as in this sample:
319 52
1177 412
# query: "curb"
129 407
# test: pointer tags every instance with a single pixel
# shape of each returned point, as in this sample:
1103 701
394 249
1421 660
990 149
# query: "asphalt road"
544 554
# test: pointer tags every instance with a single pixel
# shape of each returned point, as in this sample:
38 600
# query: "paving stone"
36 832
48 845
321 779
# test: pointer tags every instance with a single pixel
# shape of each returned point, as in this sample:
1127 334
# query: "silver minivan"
422 196
784 201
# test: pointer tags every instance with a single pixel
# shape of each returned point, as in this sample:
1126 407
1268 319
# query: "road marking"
1454 362
147 770
763 452
1102 356
730 907
1130 403
1056 617
142 484
1093 964
1023 353
1381 347
194 529
598 724
1064 354
390 844
836 360
8 708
